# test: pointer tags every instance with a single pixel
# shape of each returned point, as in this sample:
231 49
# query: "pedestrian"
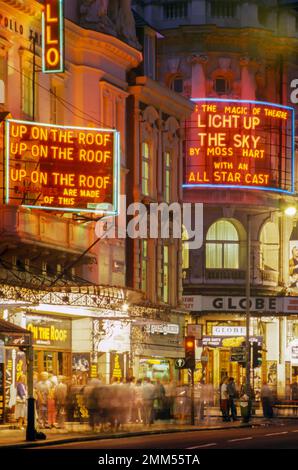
91 401
42 389
52 405
224 399
232 392
21 402
159 401
294 389
60 396
267 400
138 401
148 397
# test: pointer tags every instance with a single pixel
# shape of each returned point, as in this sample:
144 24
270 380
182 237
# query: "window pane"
165 274
231 256
270 247
222 230
214 255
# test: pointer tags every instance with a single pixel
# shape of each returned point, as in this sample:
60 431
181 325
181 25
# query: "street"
280 436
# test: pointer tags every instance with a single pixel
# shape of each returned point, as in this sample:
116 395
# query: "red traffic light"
189 343
190 352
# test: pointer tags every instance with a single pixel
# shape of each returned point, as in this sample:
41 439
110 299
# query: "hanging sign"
62 168
53 37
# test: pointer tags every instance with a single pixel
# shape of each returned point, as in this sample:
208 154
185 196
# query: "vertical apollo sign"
53 37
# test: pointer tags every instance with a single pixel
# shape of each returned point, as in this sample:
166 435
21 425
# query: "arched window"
269 239
222 246
185 249
176 83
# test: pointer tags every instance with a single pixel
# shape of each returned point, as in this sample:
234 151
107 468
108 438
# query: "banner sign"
53 37
240 144
51 332
228 342
62 168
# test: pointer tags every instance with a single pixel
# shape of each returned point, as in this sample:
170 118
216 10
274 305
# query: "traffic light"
190 352
256 355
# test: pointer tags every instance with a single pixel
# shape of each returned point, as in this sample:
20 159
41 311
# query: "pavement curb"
93 437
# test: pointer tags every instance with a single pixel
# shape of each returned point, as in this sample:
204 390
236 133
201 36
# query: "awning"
13 335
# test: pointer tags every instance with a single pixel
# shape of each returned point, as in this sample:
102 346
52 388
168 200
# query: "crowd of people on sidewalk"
142 401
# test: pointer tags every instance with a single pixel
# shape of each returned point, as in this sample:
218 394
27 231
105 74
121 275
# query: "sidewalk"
14 438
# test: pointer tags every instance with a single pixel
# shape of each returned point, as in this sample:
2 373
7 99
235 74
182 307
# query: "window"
223 8
222 246
173 10
144 264
57 108
165 280
269 239
167 182
27 92
149 56
2 79
145 168
177 84
222 86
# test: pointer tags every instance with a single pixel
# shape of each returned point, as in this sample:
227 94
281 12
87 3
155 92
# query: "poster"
117 366
81 367
293 267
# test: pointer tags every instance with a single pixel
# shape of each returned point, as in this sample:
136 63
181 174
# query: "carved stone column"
198 80
248 83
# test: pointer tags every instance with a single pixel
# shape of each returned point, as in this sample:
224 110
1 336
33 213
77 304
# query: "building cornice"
237 38
155 94
29 7
103 44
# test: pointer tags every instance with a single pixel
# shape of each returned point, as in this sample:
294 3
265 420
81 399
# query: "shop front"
161 345
51 343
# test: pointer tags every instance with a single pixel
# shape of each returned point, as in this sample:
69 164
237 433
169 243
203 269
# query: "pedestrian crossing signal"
256 355
190 352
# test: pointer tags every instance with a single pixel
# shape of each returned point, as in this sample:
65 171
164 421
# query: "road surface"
278 436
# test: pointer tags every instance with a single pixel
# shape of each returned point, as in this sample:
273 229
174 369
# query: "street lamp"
290 211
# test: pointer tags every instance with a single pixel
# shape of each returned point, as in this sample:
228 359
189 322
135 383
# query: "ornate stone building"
236 50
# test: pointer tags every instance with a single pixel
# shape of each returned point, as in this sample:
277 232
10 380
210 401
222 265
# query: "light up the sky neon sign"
240 144
53 37
69 169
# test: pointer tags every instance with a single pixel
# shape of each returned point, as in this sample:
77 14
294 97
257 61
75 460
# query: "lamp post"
247 294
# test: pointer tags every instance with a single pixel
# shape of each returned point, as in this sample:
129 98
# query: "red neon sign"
52 37
241 144
62 168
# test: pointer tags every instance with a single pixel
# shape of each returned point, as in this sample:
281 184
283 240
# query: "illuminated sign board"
60 168
240 144
50 332
53 37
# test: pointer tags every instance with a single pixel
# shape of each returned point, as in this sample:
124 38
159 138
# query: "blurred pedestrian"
232 392
149 395
60 396
159 400
52 405
138 401
224 399
294 389
267 400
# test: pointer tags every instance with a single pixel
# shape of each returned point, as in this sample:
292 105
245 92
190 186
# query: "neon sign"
61 168
240 144
52 37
